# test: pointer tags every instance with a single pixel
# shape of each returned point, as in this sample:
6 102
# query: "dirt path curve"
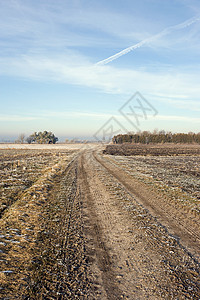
132 255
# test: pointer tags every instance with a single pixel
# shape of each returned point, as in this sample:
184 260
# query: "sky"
81 68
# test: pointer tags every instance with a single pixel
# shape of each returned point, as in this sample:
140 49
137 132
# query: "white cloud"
16 118
49 25
106 116
55 25
168 85
73 114
177 118
178 101
30 30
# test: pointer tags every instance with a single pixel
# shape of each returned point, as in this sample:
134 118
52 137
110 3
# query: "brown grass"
155 150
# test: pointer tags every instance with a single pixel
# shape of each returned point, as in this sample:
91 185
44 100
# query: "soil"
87 228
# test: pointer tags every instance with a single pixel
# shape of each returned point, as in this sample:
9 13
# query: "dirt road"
138 257
104 235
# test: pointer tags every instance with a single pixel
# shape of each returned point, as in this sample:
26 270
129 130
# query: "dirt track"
142 257
104 235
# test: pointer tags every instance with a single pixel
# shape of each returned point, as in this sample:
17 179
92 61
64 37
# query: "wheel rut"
137 257
175 220
109 288
83 231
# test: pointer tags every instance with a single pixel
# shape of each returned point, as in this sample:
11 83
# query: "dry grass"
22 222
151 149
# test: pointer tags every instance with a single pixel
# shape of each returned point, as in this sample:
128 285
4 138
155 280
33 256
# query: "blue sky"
53 76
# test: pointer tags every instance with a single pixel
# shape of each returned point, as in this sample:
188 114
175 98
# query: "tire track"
158 208
48 259
149 262
102 253
91 238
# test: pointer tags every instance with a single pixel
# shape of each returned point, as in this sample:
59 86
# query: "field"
85 222
153 149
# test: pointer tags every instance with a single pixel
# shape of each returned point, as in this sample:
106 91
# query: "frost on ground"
76 224
41 247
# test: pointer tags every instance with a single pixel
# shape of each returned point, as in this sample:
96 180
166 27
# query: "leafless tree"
21 138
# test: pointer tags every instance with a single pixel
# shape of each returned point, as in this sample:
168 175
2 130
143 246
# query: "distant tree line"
44 137
147 137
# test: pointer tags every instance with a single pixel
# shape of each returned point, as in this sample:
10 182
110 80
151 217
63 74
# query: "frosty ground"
77 223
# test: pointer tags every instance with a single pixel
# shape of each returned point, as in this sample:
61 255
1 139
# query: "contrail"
166 31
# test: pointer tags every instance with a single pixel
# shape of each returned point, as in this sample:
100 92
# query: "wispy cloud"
177 118
166 31
49 41
173 84
106 116
49 26
17 118
178 101
45 115
73 115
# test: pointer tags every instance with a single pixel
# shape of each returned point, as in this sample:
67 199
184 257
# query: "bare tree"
21 138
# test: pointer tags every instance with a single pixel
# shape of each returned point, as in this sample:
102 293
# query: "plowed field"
79 224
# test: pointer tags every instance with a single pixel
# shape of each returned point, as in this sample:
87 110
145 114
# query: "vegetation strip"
42 247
